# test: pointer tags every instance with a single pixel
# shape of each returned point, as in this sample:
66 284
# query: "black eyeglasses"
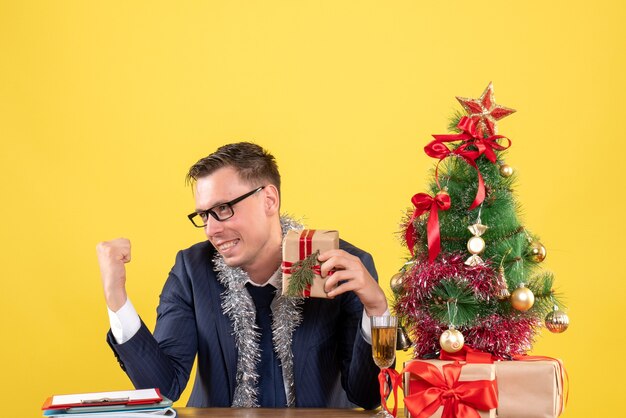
219 212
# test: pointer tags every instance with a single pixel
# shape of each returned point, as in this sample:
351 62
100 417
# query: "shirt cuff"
125 322
366 326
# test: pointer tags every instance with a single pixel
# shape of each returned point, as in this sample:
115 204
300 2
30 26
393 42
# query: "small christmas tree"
474 275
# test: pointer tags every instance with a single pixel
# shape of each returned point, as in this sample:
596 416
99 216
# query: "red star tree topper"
485 111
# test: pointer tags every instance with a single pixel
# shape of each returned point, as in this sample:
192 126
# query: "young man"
222 302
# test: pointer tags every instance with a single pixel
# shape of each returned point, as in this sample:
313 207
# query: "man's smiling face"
244 240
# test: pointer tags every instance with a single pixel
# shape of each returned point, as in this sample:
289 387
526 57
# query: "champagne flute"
384 332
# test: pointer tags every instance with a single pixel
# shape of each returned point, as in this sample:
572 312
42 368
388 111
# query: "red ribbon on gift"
395 380
306 248
434 389
471 136
305 245
424 203
317 269
469 355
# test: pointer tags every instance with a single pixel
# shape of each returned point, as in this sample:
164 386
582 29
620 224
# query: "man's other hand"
350 270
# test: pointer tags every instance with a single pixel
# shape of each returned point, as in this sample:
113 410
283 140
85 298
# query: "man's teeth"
227 245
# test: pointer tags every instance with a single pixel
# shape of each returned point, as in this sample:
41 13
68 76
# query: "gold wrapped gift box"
530 387
298 245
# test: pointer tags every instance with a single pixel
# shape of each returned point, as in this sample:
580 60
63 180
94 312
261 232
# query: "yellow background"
104 106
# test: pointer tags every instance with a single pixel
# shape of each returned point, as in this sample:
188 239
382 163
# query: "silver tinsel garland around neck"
240 309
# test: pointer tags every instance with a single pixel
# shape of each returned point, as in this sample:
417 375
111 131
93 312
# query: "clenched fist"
112 255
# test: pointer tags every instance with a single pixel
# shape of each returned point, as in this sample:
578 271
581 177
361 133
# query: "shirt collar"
274 280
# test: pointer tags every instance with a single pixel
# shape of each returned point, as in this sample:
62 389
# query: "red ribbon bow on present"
434 389
424 203
472 136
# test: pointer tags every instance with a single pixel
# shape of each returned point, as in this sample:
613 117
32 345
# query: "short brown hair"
252 163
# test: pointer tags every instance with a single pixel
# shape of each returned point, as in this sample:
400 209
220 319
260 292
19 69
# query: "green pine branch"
302 275
454 120
454 303
545 297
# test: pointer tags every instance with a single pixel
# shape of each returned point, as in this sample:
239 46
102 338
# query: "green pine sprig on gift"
302 275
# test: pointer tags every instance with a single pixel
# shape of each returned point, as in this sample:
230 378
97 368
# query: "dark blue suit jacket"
329 350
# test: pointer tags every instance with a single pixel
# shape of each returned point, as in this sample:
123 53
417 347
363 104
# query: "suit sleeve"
359 372
164 360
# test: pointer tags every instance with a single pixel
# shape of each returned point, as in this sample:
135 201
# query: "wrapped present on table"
528 386
438 388
301 270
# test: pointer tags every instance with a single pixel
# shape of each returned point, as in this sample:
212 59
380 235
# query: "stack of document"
118 404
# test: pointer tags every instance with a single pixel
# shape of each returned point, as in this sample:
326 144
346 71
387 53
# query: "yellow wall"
104 105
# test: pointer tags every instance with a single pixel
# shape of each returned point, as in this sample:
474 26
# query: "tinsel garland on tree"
485 281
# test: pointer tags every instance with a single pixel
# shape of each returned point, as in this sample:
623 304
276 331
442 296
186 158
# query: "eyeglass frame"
230 205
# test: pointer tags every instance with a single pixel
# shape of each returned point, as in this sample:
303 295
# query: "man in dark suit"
222 302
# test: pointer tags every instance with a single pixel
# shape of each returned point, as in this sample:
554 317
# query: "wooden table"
274 412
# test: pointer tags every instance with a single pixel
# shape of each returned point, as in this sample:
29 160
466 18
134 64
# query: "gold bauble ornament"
537 251
557 321
397 282
522 298
451 340
506 170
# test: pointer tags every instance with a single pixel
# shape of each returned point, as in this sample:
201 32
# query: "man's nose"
213 226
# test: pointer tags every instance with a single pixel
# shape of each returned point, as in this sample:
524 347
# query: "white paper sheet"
132 395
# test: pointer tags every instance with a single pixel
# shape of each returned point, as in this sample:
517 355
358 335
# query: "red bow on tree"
434 389
424 203
472 136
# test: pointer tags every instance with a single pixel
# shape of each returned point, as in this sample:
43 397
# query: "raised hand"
112 255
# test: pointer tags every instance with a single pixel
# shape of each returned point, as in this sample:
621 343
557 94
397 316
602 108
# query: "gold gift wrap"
298 245
530 388
469 372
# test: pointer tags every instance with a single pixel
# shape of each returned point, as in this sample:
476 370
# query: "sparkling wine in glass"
384 345
384 332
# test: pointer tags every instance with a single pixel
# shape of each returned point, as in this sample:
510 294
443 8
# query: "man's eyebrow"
212 206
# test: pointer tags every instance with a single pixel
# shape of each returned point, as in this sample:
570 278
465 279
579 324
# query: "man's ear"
272 199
